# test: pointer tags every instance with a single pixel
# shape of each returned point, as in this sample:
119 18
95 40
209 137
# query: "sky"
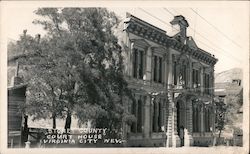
222 30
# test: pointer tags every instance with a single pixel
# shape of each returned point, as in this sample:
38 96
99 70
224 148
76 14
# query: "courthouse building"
172 80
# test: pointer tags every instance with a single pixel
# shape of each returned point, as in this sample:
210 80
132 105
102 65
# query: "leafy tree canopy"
76 68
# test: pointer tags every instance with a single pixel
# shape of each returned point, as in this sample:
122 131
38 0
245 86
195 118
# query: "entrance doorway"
181 119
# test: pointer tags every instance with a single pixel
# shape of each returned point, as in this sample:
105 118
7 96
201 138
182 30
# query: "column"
136 112
138 62
202 119
190 83
176 140
147 116
165 76
212 83
152 64
188 138
148 64
130 59
213 116
151 114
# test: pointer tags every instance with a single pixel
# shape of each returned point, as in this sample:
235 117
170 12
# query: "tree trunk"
25 131
68 121
54 120
219 133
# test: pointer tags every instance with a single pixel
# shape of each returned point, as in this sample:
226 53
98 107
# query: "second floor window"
157 69
138 63
196 78
175 73
184 75
206 83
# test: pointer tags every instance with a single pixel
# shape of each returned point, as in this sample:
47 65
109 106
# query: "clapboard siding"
16 99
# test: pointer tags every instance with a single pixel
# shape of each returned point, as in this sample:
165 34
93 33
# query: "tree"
221 111
39 70
79 64
234 103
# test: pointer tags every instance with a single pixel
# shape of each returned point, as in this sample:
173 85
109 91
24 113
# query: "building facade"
172 80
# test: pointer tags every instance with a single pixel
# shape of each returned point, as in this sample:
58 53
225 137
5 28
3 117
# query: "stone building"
172 80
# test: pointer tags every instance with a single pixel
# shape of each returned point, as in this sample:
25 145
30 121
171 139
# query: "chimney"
24 37
16 80
24 32
182 23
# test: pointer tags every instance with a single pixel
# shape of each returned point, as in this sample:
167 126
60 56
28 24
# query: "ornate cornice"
145 30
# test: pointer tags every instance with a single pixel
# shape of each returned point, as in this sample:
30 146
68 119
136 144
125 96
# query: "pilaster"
147 117
188 138
190 83
130 59
175 138
202 119
148 64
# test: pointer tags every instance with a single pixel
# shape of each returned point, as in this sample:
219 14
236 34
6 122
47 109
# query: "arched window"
175 72
198 115
157 67
184 74
138 63
139 117
160 121
196 119
137 111
135 63
155 117
208 120
134 110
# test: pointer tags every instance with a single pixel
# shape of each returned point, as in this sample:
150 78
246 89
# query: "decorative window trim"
136 127
196 65
159 51
139 43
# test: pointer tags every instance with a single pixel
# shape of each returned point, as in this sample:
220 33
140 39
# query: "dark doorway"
181 120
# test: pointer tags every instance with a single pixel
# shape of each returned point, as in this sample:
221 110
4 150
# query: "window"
134 112
157 116
138 63
137 111
160 120
175 73
157 69
184 75
160 70
206 83
196 118
207 119
139 117
196 78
